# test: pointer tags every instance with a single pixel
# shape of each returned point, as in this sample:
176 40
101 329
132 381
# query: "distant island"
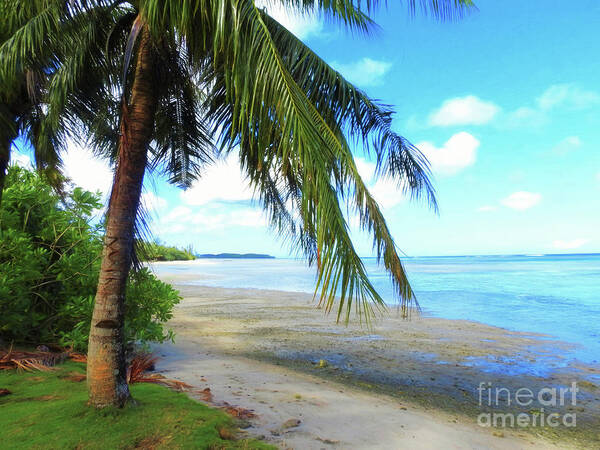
236 256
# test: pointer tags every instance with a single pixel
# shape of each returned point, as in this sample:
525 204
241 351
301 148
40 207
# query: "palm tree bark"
106 370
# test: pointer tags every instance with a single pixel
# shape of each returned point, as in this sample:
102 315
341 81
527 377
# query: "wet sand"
409 384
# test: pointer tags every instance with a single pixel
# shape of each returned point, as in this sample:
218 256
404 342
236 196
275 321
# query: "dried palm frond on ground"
206 395
237 411
77 357
42 359
137 372
29 361
139 365
142 363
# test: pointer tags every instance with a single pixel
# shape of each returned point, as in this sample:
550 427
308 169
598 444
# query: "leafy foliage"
49 265
154 251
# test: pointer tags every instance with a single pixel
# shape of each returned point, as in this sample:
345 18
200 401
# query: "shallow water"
558 295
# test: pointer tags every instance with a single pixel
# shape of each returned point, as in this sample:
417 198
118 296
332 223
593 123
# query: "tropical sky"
505 103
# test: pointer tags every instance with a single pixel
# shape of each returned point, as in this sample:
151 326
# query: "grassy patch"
48 410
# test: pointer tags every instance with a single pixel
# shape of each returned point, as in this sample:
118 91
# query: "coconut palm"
203 78
21 91
38 40
87 94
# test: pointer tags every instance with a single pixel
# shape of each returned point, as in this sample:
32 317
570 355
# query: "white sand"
332 415
216 326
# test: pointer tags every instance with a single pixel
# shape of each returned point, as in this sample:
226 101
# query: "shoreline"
433 364
576 350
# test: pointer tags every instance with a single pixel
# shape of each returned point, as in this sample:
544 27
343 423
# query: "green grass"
48 410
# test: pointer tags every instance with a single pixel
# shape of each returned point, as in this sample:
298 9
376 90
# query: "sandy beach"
399 384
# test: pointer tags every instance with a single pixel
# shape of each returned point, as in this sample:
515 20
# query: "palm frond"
281 127
442 9
366 121
182 140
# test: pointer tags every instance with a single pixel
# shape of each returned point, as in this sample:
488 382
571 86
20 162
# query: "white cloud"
522 200
303 25
21 160
152 202
487 208
86 171
93 174
564 96
567 95
366 169
385 190
364 72
525 117
174 228
177 213
567 145
459 152
222 181
569 245
246 217
469 110
183 219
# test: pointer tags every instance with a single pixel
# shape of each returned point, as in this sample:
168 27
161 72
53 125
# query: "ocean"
557 295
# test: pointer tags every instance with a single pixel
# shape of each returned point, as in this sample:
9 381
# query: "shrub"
49 264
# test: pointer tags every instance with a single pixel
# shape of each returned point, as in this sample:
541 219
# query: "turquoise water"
558 295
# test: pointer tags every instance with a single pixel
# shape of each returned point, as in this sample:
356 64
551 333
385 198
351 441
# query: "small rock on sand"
290 423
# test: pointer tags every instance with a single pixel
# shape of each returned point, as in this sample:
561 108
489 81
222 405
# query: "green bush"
49 265
154 251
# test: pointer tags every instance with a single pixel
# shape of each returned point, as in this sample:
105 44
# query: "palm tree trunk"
106 370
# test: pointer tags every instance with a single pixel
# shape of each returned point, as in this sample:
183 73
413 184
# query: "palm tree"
83 95
203 78
21 95
36 44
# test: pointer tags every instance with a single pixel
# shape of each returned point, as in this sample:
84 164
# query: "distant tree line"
155 251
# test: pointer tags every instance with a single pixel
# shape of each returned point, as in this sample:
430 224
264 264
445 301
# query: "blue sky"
506 103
